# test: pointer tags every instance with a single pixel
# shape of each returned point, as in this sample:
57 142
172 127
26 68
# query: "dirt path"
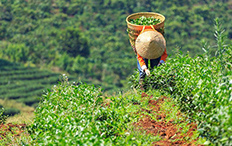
171 133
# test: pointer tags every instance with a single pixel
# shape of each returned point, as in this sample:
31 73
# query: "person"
150 46
142 63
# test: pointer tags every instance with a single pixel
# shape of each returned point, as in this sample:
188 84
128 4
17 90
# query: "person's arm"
143 64
164 56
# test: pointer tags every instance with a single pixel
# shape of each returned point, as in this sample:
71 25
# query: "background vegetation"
88 38
24 84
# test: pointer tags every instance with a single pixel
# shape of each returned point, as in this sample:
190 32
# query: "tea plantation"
88 39
24 84
200 87
81 114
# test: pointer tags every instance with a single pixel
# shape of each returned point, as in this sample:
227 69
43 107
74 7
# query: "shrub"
73 42
2 116
73 114
11 111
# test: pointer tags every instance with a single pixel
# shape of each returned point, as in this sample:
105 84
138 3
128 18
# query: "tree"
73 42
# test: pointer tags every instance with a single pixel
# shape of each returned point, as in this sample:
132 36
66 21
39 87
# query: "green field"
24 84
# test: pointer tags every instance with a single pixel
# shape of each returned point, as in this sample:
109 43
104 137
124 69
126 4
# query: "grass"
26 115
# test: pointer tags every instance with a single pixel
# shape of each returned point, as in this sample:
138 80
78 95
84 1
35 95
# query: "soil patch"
169 131
14 129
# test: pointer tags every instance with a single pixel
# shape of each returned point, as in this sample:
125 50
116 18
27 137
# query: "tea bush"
11 111
200 89
2 116
73 114
8 111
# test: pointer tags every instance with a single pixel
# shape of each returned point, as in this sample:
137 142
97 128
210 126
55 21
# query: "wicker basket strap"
143 29
152 27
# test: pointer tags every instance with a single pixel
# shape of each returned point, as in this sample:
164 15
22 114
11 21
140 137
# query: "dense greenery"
201 86
88 38
79 115
145 21
4 112
73 114
11 111
2 116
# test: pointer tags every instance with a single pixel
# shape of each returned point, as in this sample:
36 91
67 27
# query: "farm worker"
149 45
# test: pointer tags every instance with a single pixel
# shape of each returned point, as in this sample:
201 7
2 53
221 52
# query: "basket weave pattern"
134 30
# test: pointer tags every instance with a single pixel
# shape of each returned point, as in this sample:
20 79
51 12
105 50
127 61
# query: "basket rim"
144 13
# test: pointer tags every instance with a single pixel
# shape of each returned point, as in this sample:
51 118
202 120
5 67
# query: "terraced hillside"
24 84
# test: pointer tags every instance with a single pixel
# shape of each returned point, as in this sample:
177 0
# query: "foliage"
45 33
11 111
73 42
14 135
201 86
2 116
145 21
24 84
79 114
83 116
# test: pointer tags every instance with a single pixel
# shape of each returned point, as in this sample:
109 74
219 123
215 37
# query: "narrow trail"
169 131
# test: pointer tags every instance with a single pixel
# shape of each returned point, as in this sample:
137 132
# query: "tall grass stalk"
221 46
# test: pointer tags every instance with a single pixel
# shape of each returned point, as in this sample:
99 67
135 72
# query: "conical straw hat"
150 44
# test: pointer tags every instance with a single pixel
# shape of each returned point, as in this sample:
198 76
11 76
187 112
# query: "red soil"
14 129
170 132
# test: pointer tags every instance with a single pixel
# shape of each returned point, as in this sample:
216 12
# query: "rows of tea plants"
201 87
24 84
9 111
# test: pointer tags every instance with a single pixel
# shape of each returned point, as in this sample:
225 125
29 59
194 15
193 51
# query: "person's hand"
147 72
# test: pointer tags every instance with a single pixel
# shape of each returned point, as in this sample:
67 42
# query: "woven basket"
134 30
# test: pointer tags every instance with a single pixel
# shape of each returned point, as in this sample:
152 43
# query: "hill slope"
196 86
88 38
24 84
